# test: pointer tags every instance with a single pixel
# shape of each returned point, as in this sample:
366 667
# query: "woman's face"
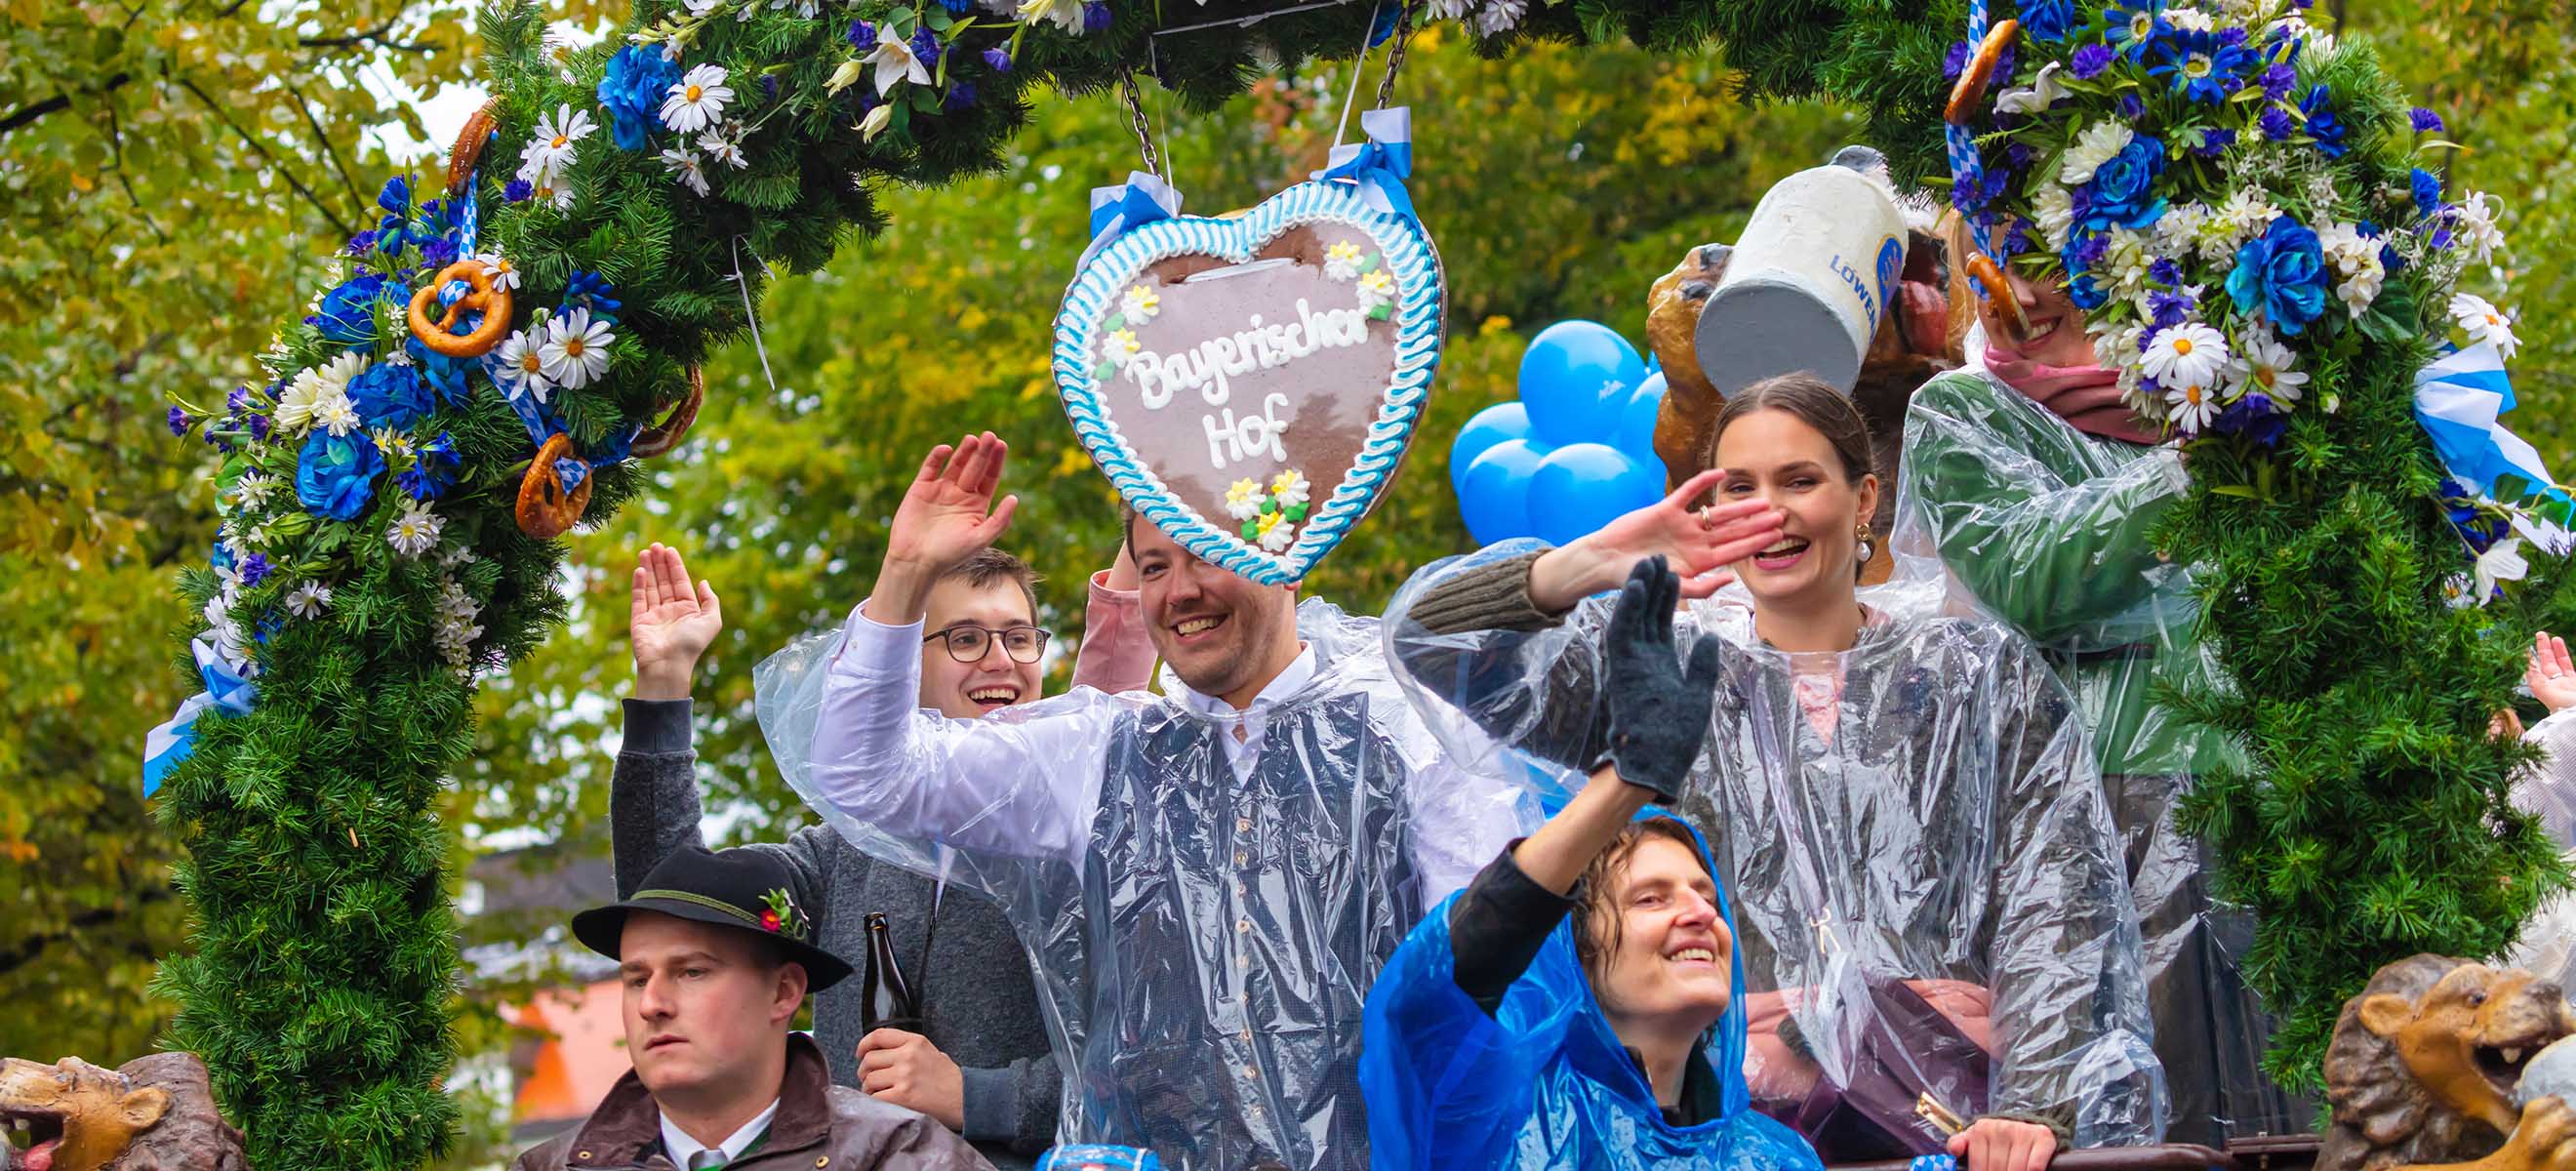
1675 959
2055 335
1775 456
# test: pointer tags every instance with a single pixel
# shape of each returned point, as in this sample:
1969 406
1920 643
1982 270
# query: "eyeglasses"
967 644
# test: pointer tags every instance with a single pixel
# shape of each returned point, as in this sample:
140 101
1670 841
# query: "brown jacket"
819 1127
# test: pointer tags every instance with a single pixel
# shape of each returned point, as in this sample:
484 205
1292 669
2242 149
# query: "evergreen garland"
324 961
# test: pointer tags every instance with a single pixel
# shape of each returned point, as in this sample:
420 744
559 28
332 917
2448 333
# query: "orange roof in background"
584 1053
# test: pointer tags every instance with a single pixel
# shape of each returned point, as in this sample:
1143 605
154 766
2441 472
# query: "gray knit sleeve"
1484 597
653 793
1015 1103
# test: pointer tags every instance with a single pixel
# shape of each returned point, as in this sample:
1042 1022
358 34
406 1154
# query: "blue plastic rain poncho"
1543 1082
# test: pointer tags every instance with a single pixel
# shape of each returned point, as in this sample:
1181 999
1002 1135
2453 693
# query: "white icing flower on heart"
1376 288
1342 260
1119 347
1276 532
1289 487
1141 304
1243 499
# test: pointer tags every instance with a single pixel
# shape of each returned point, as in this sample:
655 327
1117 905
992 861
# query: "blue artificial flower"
2083 250
2124 189
180 422
2017 156
438 252
444 374
958 7
591 290
2164 272
1095 17
395 196
2424 120
925 45
862 36
517 191
2214 141
2278 125
347 314
259 427
2090 61
2048 20
2168 308
999 58
2017 241
961 94
1954 62
2441 237
2322 124
637 80
435 471
362 243
254 570
2134 25
335 475
388 395
2201 67
2253 417
2428 191
220 558
2278 80
2283 273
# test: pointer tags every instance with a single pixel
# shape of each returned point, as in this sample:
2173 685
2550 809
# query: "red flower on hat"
769 921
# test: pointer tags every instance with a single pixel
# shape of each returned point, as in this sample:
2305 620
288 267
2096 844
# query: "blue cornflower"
1095 17
862 36
961 94
2322 124
999 58
590 289
2278 125
925 45
2130 107
362 243
438 253
2424 120
2253 417
2214 141
1955 61
958 7
254 570
2427 189
237 400
2202 67
2169 308
2278 80
2164 272
181 421
259 427
516 191
2090 61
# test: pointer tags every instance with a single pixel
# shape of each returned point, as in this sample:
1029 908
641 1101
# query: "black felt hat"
743 889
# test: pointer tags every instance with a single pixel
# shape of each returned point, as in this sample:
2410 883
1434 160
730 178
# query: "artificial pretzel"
545 510
1966 96
1990 275
661 437
494 302
468 151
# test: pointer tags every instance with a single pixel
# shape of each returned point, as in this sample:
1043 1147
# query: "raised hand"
1698 542
670 624
947 514
2551 676
1658 711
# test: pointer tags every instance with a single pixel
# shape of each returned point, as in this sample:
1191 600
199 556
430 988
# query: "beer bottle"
885 997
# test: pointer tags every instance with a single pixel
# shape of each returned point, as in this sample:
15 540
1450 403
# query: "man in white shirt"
716 958
1210 881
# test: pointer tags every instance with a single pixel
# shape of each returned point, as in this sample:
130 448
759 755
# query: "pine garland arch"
324 960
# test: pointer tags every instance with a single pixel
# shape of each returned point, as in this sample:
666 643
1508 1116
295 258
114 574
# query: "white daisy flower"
334 412
684 166
2191 405
2187 354
520 365
2098 144
1498 17
550 147
2115 347
498 269
894 60
2473 224
1064 14
415 530
2261 366
308 600
252 489
1243 499
2053 209
1342 260
723 150
576 349
697 100
2483 322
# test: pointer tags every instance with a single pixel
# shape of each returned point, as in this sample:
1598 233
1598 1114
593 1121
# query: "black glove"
1658 713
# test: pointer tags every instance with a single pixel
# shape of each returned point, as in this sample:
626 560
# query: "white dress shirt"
1243 739
689 1154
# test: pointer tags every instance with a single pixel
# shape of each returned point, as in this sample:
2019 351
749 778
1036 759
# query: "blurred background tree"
174 170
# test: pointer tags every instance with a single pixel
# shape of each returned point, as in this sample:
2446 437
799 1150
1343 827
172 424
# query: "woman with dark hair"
1580 1004
1935 925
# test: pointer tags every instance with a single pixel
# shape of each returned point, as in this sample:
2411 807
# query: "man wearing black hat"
716 958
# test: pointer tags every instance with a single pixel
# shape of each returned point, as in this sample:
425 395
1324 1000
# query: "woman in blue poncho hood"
1580 1004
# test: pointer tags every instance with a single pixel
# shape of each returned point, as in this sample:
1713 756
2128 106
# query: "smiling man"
716 957
1210 880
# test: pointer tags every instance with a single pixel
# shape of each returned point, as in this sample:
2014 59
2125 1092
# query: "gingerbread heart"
1250 384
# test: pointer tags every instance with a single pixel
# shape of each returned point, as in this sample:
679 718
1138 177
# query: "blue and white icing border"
1419 316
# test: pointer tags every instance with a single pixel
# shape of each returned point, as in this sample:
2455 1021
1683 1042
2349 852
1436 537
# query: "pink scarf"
2087 397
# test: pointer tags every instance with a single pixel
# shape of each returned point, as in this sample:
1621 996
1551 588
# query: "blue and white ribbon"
165 746
1964 160
2458 398
1379 166
1141 200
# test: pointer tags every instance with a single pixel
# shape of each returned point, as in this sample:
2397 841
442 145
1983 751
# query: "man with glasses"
978 1061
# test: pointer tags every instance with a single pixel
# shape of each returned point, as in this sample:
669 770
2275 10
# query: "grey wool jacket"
976 989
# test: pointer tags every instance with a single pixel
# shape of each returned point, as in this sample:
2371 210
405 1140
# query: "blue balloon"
1580 487
1636 434
1574 378
1492 425
1494 493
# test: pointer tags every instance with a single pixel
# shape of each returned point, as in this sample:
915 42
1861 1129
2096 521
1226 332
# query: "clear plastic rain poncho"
1913 823
1206 928
2046 529
1543 1084
2548 789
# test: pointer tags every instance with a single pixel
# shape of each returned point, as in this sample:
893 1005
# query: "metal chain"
1395 56
1144 134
